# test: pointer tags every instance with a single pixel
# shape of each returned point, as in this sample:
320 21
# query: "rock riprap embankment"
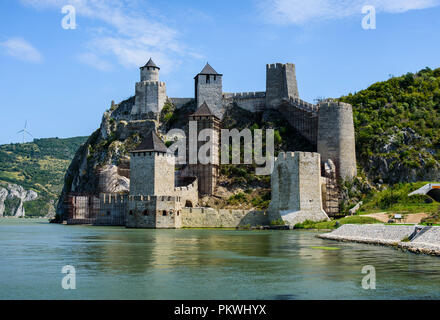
427 241
418 239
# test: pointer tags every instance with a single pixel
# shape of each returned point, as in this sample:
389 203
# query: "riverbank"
417 239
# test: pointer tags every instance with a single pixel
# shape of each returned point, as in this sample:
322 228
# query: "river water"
119 263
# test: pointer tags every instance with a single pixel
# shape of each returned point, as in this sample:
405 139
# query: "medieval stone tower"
206 173
150 94
151 168
208 88
280 83
296 188
336 139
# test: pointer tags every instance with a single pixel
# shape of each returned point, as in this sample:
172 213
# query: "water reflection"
119 263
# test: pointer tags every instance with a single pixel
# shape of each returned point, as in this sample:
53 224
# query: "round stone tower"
336 140
150 72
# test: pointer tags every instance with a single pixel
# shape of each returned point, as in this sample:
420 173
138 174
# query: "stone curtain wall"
302 116
112 209
153 212
250 101
188 193
180 102
222 218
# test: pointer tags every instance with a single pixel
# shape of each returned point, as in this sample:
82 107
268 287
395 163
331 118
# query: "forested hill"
397 124
39 166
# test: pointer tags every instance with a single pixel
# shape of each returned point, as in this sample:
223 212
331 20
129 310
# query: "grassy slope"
396 200
39 166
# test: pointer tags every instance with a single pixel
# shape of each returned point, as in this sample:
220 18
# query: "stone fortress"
304 185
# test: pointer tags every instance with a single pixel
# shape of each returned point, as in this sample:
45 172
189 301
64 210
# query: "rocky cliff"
12 199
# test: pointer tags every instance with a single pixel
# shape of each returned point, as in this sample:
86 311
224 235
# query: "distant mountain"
37 166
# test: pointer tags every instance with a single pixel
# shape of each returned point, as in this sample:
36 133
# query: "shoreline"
415 239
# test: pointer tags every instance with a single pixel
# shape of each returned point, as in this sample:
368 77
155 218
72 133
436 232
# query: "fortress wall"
163 174
280 83
162 212
111 209
296 188
251 101
150 97
180 102
148 74
303 117
336 138
222 218
142 170
188 193
210 92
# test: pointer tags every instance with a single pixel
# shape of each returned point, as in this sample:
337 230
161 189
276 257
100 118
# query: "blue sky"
61 81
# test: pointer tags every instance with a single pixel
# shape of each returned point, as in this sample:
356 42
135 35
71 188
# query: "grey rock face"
12 191
3 195
112 182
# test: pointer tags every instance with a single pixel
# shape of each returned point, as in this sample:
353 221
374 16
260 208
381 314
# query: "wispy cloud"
301 12
129 32
21 50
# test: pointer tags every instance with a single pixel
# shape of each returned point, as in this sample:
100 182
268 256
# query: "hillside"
397 124
38 166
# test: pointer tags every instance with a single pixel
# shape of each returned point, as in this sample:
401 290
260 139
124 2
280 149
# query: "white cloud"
22 50
128 32
94 61
301 12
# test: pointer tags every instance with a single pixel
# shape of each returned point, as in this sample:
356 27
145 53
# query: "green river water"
119 263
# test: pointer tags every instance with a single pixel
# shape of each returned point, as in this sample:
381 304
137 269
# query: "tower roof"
150 63
209 70
204 111
152 143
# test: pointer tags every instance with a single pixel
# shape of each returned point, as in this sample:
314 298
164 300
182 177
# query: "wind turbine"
24 131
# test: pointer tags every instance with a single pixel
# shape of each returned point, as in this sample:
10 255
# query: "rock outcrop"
105 154
13 191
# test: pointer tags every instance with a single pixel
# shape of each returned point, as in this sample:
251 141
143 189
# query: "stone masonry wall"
336 139
280 83
223 218
211 92
296 188
250 101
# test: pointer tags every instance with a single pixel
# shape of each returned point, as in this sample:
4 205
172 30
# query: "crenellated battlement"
151 83
303 105
282 66
330 103
107 198
244 95
148 198
288 157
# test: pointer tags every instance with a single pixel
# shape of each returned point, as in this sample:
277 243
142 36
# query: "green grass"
335 223
395 199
